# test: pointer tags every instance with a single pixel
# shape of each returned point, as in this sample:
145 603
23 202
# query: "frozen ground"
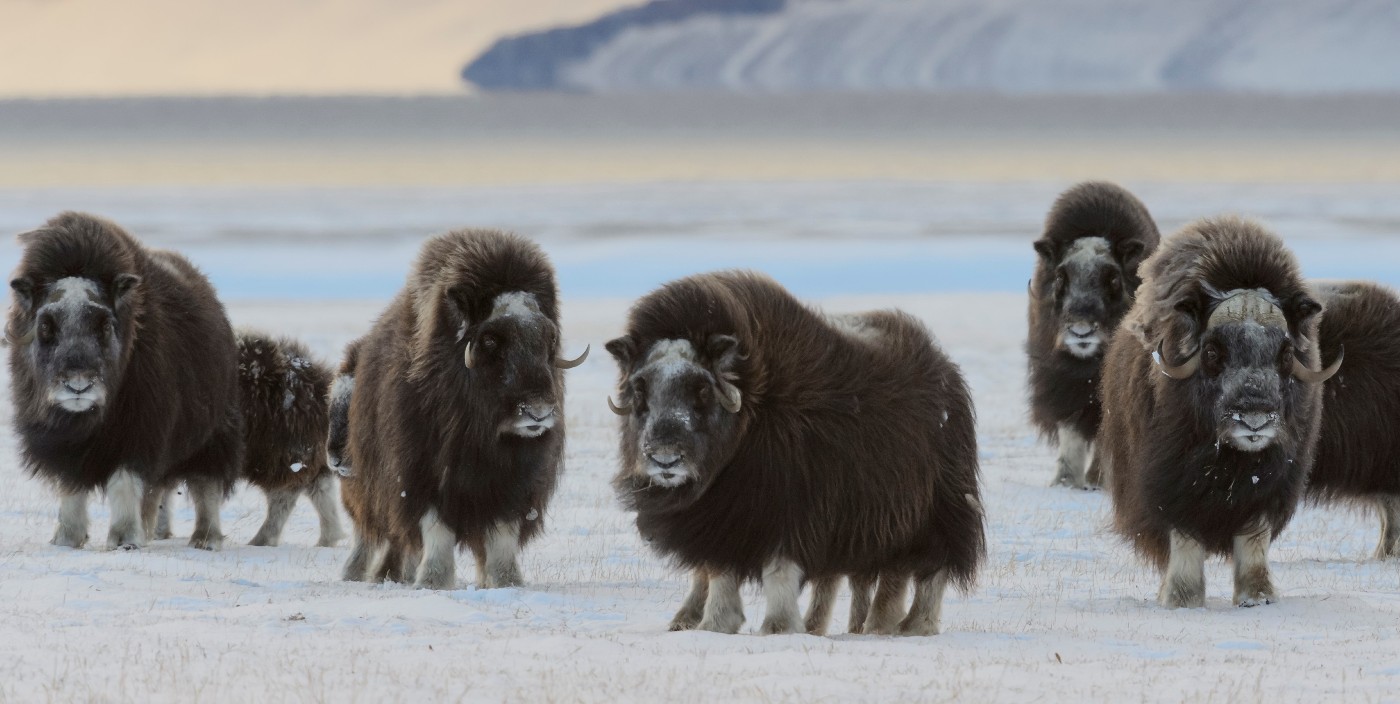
1061 612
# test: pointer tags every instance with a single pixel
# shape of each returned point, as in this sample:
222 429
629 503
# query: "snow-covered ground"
1061 612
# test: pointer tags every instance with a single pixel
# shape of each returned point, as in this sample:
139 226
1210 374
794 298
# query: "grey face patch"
1082 294
69 346
515 303
665 453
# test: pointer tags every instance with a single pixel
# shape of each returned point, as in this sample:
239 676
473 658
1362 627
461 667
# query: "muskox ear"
724 350
1047 249
460 300
24 293
623 349
1300 310
124 284
1129 252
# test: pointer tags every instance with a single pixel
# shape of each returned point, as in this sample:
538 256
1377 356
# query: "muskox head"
71 335
680 409
511 352
1249 348
1087 284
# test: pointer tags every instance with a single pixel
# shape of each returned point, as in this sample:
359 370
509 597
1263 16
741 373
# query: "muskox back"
1085 278
845 446
123 373
1359 442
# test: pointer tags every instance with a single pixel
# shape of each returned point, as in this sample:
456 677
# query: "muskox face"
1091 289
70 331
512 355
680 411
1245 364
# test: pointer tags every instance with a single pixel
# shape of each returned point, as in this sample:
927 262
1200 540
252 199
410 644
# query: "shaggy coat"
1086 276
442 450
1358 446
1174 469
852 451
284 399
146 330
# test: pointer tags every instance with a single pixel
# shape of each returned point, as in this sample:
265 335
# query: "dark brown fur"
423 429
847 458
1167 471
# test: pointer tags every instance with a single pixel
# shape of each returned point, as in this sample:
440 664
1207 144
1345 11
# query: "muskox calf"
124 379
1212 403
455 427
763 440
1359 443
284 400
1085 279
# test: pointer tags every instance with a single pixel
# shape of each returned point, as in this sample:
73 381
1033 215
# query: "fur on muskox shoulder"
853 451
1170 470
424 430
145 335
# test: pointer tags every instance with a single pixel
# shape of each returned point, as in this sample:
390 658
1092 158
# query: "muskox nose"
1082 329
666 459
78 384
537 412
1256 421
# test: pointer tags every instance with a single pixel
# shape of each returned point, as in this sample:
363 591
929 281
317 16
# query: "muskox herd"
1199 377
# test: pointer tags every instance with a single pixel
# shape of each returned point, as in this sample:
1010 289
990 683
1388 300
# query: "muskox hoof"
503 578
125 540
445 582
719 626
1254 597
1179 598
330 541
207 540
918 628
779 626
685 621
164 533
68 539
261 540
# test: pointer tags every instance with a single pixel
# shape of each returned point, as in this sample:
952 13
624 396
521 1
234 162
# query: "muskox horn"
729 397
1313 377
1183 371
467 357
562 363
625 410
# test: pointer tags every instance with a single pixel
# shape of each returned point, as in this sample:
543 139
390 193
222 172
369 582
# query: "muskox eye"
490 343
1061 283
46 330
1212 357
1113 283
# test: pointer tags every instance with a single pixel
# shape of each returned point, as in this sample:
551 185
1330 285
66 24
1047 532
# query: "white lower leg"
887 610
323 497
72 531
927 608
782 585
1184 583
1252 583
208 498
823 601
280 503
502 547
1073 459
724 610
124 493
438 568
167 504
1389 509
693 608
862 589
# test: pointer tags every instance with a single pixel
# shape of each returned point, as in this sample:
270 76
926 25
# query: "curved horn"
562 363
729 397
467 357
1183 371
1313 377
625 410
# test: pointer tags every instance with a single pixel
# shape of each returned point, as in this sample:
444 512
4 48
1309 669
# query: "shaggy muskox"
284 400
1358 446
1085 279
1212 404
764 440
456 422
124 379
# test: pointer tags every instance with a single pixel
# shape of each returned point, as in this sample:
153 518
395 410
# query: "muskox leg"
1097 477
823 601
862 589
724 609
1252 583
1184 583
693 608
72 531
323 498
1389 509
927 608
782 585
362 558
438 568
888 608
124 494
208 498
167 504
501 566
280 503
1074 457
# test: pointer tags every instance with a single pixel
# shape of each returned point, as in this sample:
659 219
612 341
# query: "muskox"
1085 279
763 440
124 379
284 400
1357 450
456 419
1212 404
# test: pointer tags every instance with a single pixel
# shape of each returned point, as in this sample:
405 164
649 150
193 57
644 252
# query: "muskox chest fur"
811 446
123 378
